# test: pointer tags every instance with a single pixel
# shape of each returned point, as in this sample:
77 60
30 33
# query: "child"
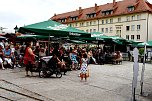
84 67
73 57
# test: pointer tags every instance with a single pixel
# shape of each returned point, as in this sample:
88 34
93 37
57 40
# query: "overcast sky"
24 12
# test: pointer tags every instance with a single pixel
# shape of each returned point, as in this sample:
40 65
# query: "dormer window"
107 12
63 20
91 15
131 8
74 18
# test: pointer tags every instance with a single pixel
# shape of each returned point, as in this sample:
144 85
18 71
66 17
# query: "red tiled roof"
120 8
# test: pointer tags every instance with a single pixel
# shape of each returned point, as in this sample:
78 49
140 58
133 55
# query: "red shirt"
28 57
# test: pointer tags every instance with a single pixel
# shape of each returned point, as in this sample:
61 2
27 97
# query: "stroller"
47 70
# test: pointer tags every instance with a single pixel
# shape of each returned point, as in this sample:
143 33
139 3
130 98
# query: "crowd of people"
9 54
75 58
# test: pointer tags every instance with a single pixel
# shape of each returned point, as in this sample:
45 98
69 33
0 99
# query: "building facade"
129 19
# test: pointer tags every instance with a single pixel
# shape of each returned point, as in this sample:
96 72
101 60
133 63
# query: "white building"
129 19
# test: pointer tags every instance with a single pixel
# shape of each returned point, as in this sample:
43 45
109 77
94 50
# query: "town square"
76 50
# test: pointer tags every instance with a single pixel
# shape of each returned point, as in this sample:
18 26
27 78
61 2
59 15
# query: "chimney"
96 7
80 10
114 2
54 14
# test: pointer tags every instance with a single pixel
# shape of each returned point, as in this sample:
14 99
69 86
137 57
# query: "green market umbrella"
32 36
118 42
96 36
132 43
117 38
150 43
143 44
76 42
52 28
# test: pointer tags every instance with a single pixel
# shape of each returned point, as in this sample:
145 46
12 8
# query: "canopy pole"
98 43
142 72
49 45
114 47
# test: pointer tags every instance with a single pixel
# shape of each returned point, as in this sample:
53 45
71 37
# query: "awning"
53 28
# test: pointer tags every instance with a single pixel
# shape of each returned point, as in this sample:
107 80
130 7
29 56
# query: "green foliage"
141 51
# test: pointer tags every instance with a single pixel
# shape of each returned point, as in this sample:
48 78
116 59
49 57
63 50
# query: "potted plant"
141 54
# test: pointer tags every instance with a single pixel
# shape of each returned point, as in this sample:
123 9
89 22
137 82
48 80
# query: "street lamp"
16 28
1 29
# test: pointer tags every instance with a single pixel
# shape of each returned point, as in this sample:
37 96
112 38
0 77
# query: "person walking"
29 59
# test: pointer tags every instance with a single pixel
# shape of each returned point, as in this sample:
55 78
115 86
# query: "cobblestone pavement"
106 83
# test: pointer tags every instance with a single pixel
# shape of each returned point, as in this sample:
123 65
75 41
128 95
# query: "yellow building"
129 19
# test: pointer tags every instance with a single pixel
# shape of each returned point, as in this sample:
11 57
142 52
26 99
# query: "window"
70 25
102 21
62 20
74 18
138 37
82 24
94 22
132 27
128 18
111 20
102 30
90 22
76 24
87 31
138 17
92 15
107 12
87 23
138 27
132 37
106 21
119 19
127 28
111 29
106 30
127 37
94 30
133 17
131 8
90 30
118 28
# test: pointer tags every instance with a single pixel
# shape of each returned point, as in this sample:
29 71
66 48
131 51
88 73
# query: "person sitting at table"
56 63
8 55
90 57
1 57
109 57
118 57
101 57
42 52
